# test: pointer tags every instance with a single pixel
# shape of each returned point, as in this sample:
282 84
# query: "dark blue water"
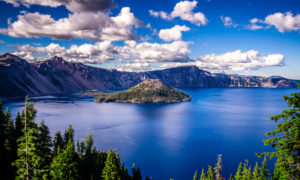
172 140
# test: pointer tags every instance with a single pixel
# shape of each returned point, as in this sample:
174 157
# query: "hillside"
56 76
148 91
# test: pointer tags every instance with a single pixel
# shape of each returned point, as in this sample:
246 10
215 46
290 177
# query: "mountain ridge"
56 76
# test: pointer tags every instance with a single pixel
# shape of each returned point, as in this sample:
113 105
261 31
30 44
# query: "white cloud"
72 5
131 52
236 61
134 67
87 25
174 33
183 10
160 14
284 22
228 22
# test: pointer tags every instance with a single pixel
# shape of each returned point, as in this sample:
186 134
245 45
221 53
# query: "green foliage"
202 177
69 135
238 175
218 168
210 173
65 164
264 170
136 173
195 175
255 174
58 142
113 168
286 139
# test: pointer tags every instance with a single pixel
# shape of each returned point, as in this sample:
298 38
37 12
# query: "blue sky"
251 37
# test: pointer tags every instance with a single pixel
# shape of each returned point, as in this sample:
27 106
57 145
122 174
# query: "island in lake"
148 91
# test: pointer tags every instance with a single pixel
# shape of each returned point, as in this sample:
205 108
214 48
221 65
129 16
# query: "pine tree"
286 138
3 127
58 142
218 168
19 126
255 174
65 164
44 149
238 175
231 177
280 169
69 135
202 177
210 173
89 144
195 175
246 174
263 170
28 160
113 168
136 173
10 146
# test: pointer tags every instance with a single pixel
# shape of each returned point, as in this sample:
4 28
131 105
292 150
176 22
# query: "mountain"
148 91
55 76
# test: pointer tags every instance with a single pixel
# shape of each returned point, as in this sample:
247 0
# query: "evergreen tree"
231 177
44 149
89 144
29 159
19 126
69 135
286 138
280 169
112 169
3 152
218 168
202 177
255 174
58 142
10 146
238 175
65 164
195 175
136 173
263 170
210 173
246 174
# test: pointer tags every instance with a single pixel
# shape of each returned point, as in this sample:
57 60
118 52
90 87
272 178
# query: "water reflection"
175 139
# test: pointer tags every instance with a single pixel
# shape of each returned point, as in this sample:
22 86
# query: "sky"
247 37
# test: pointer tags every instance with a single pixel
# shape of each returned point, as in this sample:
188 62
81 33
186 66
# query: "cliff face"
19 78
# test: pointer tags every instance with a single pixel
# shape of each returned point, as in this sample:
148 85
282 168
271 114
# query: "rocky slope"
148 91
54 76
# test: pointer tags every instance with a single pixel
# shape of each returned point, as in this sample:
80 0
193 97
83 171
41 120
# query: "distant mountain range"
19 78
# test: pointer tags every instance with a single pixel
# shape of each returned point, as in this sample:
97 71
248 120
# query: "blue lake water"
171 140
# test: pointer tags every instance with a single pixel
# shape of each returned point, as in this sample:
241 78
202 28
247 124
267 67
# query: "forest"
27 151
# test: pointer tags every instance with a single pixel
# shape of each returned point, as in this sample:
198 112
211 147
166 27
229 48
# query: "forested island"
148 91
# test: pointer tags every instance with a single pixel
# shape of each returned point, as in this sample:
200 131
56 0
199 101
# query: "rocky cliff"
54 76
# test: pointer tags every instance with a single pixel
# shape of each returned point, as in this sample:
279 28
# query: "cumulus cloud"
228 22
183 10
83 25
72 5
131 52
284 21
236 61
174 33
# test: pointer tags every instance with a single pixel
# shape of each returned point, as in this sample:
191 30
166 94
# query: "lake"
171 140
